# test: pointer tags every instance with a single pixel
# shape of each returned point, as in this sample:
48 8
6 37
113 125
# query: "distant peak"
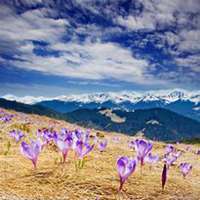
166 96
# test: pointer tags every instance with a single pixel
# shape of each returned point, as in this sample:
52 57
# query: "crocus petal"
185 168
177 154
102 145
88 148
121 165
16 135
169 149
169 160
62 145
37 146
27 151
152 159
82 149
131 144
79 148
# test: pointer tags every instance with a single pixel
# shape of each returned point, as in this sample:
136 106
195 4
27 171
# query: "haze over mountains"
180 101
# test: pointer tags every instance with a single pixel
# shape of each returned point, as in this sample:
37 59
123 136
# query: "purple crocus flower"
46 135
64 144
188 148
152 159
16 135
185 168
116 139
64 131
125 167
102 145
177 154
169 160
82 149
164 176
79 135
6 118
131 144
198 152
169 149
31 151
142 148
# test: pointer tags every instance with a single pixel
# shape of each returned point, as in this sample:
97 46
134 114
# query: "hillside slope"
157 123
30 109
98 179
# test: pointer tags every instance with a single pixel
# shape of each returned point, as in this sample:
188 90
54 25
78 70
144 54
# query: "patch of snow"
115 118
196 108
153 122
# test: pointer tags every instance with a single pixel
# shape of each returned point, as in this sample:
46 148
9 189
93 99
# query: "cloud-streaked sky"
52 47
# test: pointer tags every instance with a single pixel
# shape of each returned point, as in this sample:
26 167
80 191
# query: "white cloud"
155 13
93 58
189 40
191 62
184 48
137 23
30 25
159 13
88 60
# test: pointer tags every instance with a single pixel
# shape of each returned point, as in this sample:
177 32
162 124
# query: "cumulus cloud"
154 14
189 40
146 42
31 25
157 14
87 60
190 62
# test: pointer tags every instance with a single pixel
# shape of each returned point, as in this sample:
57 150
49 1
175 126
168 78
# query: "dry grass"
98 178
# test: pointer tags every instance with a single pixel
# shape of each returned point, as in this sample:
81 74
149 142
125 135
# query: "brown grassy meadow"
97 180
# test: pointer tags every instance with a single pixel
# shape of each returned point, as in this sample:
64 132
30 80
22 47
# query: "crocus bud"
164 176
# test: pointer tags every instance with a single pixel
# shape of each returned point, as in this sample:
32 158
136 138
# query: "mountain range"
155 123
180 101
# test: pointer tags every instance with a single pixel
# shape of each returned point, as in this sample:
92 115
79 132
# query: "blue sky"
52 48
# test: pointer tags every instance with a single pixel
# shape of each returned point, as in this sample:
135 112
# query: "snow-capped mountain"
166 96
181 101
134 97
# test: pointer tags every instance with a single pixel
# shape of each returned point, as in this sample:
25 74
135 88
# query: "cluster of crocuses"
17 135
126 166
5 117
66 140
170 157
77 140
82 144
